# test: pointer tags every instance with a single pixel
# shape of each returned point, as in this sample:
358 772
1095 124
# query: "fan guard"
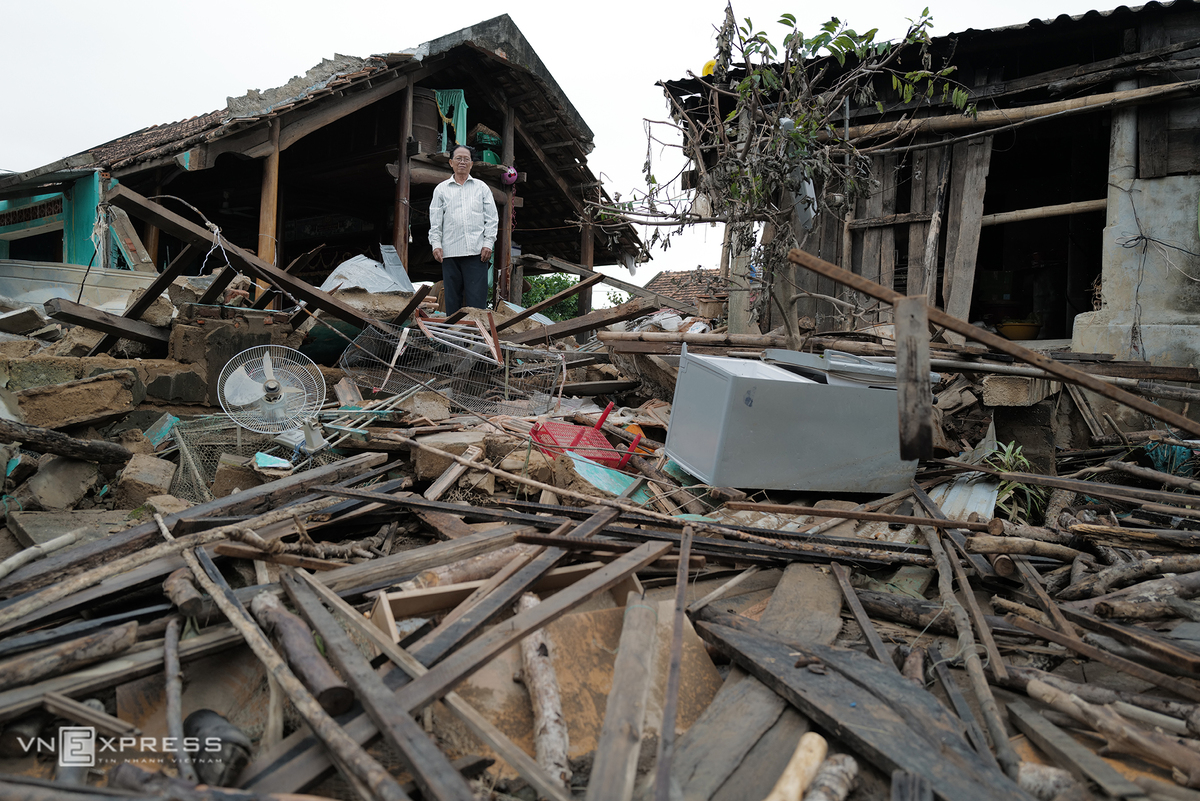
270 389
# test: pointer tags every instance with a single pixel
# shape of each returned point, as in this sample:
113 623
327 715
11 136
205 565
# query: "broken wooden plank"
1067 752
177 267
912 379
298 760
875 644
133 665
966 646
959 701
429 767
805 606
615 766
1160 648
855 514
597 319
1181 687
972 160
465 661
1033 583
625 286
452 474
68 311
194 234
875 711
389 569
487 733
998 343
76 712
666 734
290 559
351 757
569 292
47 440
267 496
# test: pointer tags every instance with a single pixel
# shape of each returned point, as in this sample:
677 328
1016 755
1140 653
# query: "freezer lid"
741 368
840 364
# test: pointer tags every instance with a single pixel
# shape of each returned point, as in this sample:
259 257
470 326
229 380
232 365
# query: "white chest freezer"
754 425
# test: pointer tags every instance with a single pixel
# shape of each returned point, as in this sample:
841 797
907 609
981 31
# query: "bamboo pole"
1005 754
174 682
1008 116
1042 212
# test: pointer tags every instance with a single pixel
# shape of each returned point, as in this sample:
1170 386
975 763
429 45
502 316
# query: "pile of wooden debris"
348 622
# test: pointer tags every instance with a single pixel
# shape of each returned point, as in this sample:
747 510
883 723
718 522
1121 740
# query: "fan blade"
268 367
292 390
241 389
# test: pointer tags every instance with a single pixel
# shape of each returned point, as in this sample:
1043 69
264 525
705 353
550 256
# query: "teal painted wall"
80 212
77 218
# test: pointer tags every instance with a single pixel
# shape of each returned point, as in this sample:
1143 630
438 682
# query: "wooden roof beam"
633 289
192 234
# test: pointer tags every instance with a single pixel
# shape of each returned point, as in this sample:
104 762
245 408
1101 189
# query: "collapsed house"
721 569
343 158
1065 203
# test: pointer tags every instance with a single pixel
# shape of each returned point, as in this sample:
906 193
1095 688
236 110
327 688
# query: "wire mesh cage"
462 363
202 441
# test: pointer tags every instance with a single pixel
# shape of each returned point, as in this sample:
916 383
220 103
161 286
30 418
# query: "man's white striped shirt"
462 219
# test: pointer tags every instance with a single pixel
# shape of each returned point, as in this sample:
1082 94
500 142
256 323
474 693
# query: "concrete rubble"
701 636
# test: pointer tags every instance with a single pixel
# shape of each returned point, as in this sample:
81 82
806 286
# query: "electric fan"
272 389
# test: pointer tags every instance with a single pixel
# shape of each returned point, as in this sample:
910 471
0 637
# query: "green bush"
547 286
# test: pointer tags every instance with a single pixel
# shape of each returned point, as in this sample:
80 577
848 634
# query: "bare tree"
766 146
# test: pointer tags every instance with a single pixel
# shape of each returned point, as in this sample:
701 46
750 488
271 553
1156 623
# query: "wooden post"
912 373
929 282
587 258
268 204
971 163
150 239
403 179
615 767
503 256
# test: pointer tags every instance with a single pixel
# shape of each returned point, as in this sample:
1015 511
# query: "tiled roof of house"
687 286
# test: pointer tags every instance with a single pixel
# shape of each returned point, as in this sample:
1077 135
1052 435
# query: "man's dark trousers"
465 282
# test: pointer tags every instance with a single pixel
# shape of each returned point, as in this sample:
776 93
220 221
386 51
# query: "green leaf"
787 19
879 106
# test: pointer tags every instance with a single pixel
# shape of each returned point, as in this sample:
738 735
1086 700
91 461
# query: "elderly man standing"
462 230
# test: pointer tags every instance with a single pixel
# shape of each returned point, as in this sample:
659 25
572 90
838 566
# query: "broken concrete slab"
166 504
144 477
21 321
429 405
1013 390
87 400
78 341
184 385
211 345
431 465
36 528
59 484
160 313
234 473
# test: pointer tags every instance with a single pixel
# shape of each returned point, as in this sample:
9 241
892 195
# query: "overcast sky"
78 74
